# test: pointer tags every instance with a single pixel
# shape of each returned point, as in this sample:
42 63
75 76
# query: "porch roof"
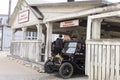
36 10
85 13
99 2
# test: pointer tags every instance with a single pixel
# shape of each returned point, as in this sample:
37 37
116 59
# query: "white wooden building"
98 24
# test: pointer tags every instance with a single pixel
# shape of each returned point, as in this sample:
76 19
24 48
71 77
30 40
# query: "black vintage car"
72 60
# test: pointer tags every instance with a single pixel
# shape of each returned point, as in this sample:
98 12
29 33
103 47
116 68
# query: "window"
31 35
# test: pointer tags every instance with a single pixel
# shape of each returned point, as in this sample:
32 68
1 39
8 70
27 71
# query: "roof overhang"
99 2
85 13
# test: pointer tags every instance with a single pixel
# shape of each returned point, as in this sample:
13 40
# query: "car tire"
48 67
66 70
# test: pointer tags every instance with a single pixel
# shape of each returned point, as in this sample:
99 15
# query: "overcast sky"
4 4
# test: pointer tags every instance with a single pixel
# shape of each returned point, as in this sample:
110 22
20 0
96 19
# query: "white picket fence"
103 59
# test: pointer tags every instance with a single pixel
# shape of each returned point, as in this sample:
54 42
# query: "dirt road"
10 70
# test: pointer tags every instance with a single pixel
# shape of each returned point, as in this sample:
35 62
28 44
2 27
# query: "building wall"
5 33
6 38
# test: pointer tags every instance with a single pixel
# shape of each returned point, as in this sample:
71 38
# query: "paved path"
10 70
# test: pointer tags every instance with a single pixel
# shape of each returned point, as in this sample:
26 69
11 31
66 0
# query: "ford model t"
70 61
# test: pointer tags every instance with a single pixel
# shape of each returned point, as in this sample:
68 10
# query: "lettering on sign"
70 23
23 16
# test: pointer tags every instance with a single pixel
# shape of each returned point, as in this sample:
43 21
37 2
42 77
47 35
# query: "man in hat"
59 45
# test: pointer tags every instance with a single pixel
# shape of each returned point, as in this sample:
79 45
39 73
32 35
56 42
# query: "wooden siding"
30 50
103 59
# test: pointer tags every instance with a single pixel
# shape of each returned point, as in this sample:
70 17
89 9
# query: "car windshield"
70 47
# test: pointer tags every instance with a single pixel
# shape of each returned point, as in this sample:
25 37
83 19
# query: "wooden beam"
103 15
49 40
113 33
116 20
24 32
89 23
39 46
13 34
96 28
39 32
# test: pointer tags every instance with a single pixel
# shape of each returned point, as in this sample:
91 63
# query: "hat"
60 35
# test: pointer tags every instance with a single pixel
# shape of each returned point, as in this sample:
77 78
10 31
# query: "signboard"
23 16
70 23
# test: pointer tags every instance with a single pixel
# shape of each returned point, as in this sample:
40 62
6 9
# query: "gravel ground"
10 70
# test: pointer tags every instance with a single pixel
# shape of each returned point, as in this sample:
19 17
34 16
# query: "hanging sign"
70 23
23 16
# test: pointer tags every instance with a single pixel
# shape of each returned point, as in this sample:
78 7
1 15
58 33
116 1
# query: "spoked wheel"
48 67
66 70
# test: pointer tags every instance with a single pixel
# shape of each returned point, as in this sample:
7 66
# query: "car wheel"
47 67
66 70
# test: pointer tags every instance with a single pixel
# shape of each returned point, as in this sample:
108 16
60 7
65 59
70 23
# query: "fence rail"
103 59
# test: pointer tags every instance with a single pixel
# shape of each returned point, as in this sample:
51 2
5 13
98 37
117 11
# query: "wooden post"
88 37
96 28
39 32
87 60
48 40
39 46
24 33
89 23
117 62
23 37
13 34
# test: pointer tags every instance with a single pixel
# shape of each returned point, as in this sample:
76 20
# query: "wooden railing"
29 49
103 59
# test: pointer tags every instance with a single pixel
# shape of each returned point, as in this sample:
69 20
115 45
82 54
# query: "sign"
70 23
23 16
